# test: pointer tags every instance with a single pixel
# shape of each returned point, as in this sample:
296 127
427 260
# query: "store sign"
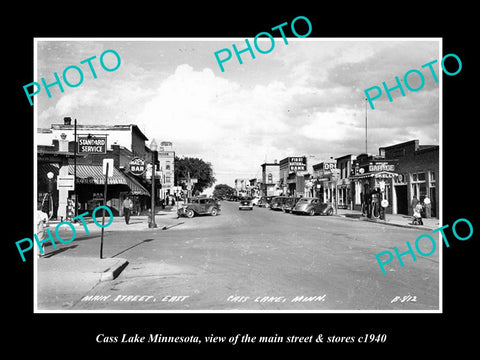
298 167
65 182
137 166
381 166
92 144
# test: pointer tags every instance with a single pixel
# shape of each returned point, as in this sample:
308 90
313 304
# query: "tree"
223 191
197 169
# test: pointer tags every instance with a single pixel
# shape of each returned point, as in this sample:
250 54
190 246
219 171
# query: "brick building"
418 175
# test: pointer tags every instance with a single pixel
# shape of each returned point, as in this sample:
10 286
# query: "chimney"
67 121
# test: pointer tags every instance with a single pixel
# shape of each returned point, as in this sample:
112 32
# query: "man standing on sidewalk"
127 208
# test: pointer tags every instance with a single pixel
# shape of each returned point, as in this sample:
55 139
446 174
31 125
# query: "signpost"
108 172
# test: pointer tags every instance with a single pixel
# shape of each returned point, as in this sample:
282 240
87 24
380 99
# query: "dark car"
265 201
312 206
245 204
199 206
277 202
290 203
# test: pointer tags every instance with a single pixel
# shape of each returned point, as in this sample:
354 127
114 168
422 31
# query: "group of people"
417 208
371 203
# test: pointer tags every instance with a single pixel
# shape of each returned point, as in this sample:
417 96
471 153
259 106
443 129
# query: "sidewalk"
164 218
392 219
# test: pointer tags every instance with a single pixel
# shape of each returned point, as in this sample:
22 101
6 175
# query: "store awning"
376 175
93 174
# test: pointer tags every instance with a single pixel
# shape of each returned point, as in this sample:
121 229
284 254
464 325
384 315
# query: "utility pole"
366 123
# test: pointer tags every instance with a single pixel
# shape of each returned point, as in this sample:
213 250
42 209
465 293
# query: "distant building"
270 184
241 186
166 159
292 172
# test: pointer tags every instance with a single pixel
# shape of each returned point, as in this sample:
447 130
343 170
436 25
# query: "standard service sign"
92 144
137 166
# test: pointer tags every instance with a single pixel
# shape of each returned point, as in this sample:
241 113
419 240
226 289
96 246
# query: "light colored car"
245 205
312 206
255 201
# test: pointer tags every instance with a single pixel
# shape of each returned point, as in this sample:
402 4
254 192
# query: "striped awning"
93 174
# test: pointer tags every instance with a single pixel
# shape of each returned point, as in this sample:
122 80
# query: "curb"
382 222
415 227
113 271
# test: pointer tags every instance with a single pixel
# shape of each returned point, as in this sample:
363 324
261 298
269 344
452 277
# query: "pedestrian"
127 208
42 224
414 202
417 214
173 200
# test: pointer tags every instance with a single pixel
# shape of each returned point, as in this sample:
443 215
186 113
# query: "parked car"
199 206
277 203
312 206
265 201
290 203
245 204
255 200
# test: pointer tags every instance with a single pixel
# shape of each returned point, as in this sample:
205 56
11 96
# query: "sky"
304 98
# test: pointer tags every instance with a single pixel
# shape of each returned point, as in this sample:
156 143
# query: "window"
270 177
419 186
167 166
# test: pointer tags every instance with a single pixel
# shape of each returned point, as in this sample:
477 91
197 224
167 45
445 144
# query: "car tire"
330 212
190 213
214 212
311 212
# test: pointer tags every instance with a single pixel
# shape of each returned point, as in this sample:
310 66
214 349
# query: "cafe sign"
137 166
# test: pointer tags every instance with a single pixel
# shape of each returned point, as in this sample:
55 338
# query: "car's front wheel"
190 213
311 212
214 212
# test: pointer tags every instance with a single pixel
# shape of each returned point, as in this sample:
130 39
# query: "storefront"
373 175
90 188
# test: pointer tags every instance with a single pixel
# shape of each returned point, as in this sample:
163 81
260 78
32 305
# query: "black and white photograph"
290 174
219 179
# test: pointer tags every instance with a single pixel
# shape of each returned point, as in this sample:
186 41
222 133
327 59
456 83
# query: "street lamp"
50 176
153 148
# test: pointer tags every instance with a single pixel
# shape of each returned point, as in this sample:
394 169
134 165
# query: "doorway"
402 199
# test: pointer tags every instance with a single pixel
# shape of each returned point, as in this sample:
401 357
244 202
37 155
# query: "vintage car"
277 202
199 206
265 201
312 206
245 204
290 203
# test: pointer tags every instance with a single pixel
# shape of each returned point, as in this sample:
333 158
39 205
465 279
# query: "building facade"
166 159
59 156
418 176
292 175
270 183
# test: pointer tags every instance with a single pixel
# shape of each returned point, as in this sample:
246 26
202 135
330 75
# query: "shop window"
419 186
432 179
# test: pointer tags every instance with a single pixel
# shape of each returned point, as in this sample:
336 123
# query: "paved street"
251 260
